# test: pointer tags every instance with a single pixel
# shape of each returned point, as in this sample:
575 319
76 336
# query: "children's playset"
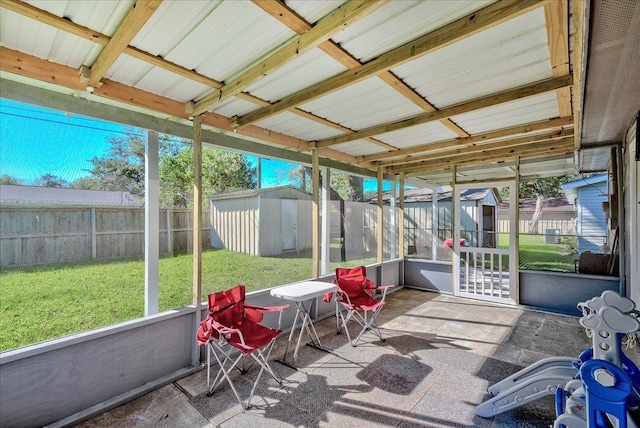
599 389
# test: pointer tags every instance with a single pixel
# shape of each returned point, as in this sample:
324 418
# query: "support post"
380 222
514 243
455 210
197 232
151 224
393 222
401 215
315 212
326 223
435 222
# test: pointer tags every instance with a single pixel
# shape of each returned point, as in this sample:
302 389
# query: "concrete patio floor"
440 355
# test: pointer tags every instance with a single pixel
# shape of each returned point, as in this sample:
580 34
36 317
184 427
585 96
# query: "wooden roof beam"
35 68
564 145
530 90
479 148
344 15
85 33
464 27
461 142
295 22
137 16
557 23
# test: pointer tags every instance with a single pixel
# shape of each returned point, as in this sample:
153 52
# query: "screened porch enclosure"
464 94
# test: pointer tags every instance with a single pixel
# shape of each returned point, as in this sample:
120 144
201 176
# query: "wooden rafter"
85 33
461 142
480 149
578 16
344 15
442 37
295 22
564 145
137 16
557 23
29 66
469 106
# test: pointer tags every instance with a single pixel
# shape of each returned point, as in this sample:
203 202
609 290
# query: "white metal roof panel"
363 104
170 85
312 11
398 22
99 15
233 36
533 109
359 148
508 55
31 37
233 106
142 75
305 70
298 126
418 135
170 23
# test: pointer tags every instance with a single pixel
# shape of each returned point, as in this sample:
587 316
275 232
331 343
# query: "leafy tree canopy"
7 179
122 169
50 180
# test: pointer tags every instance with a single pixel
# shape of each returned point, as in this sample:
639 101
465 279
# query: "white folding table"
300 293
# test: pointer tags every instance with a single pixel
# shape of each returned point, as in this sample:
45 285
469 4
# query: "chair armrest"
267 308
384 289
279 309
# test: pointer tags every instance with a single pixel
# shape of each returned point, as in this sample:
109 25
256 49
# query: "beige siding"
235 225
563 221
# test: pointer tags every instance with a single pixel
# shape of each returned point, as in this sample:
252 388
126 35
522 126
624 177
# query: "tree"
222 172
122 169
7 179
540 188
50 180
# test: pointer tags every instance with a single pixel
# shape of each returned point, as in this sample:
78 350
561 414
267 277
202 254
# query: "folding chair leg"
367 323
263 360
225 373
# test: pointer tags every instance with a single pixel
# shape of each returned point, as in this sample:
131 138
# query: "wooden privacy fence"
41 234
563 221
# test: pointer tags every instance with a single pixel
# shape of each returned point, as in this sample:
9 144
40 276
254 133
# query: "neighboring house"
262 222
558 217
479 219
587 196
21 195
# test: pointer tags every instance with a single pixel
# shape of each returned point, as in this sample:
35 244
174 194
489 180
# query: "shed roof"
445 194
415 88
555 204
253 192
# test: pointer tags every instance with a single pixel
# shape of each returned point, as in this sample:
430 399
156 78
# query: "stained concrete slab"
439 356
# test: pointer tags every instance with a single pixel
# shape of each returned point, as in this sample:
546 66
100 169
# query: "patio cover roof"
406 87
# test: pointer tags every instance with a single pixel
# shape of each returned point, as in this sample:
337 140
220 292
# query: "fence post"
94 246
169 231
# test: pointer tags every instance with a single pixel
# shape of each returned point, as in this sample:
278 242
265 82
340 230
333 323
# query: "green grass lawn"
44 302
536 255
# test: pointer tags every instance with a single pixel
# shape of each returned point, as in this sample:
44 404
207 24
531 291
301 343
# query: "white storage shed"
262 222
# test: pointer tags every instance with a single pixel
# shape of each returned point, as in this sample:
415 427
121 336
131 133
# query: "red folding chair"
233 325
354 300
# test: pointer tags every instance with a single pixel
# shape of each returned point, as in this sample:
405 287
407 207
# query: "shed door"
288 223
